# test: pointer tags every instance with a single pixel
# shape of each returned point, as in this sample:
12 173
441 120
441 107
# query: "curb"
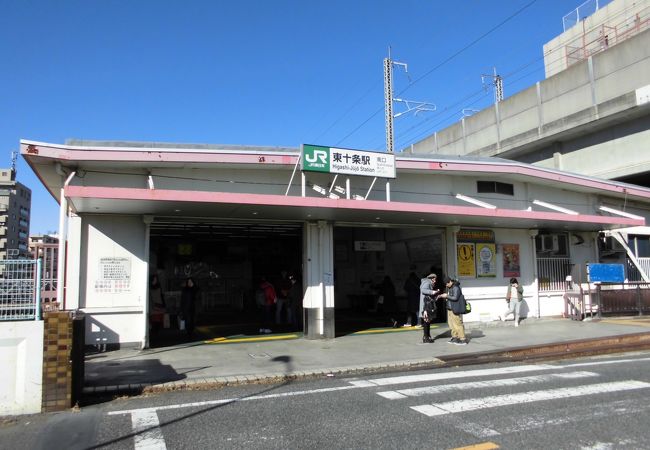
569 349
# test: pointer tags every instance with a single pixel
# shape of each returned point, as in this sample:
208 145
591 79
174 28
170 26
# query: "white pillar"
318 255
533 233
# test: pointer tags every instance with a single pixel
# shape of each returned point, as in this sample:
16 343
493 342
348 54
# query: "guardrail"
623 298
20 289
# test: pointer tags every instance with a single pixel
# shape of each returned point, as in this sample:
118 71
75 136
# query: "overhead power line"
466 47
471 44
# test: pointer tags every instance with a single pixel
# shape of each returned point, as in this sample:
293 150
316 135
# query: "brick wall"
57 364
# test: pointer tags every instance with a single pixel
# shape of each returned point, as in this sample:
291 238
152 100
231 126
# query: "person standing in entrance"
514 306
267 301
157 308
188 305
454 317
412 288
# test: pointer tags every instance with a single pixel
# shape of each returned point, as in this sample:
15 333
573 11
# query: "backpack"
260 297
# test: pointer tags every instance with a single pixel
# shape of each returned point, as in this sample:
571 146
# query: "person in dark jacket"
454 314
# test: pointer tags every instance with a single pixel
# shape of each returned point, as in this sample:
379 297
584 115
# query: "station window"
494 187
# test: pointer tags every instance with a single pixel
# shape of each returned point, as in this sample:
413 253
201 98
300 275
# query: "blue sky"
253 72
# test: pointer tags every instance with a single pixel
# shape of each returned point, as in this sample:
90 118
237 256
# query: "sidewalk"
201 365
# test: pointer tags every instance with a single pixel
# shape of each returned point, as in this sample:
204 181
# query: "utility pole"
497 82
388 101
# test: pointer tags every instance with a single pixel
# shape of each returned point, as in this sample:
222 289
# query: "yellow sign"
466 260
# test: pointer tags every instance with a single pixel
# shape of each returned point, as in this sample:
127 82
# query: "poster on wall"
487 261
114 275
466 260
511 260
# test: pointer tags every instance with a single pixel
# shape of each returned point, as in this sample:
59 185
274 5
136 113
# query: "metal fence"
20 289
582 12
623 298
604 36
552 273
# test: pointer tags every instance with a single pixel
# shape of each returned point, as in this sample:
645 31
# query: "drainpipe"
533 234
63 235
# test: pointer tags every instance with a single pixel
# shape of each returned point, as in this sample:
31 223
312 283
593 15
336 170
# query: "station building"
341 220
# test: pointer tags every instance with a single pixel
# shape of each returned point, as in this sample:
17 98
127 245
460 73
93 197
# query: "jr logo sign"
315 158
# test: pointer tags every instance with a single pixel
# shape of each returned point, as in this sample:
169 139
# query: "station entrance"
371 266
225 261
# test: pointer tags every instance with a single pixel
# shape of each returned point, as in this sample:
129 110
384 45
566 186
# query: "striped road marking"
146 428
416 392
452 375
439 409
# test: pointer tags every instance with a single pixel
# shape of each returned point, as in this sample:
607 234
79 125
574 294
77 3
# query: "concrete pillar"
148 220
535 284
452 256
318 303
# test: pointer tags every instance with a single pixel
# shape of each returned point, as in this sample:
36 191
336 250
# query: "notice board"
606 273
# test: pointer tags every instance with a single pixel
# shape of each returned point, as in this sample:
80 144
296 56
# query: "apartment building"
15 206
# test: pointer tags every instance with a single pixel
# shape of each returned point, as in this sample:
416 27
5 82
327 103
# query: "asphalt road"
587 403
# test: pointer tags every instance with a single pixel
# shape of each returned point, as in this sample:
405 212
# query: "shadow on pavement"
287 360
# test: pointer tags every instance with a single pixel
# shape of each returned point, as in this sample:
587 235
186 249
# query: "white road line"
148 435
379 382
232 400
598 363
457 406
452 375
416 392
592 413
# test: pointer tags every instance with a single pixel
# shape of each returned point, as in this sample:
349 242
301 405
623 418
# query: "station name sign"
316 158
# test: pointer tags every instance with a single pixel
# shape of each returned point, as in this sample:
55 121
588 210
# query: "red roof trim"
370 205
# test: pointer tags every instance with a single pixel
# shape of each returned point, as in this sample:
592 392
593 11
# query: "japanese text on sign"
350 162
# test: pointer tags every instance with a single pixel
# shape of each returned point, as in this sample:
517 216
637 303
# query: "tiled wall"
57 364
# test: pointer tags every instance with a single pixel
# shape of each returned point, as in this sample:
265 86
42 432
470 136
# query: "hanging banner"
487 260
316 158
510 260
466 260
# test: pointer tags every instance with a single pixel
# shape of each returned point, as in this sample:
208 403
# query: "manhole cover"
259 355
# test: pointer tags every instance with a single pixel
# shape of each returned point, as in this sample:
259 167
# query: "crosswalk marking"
147 432
438 409
452 375
415 392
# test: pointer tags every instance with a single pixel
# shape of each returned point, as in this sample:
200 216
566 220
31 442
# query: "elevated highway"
592 118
